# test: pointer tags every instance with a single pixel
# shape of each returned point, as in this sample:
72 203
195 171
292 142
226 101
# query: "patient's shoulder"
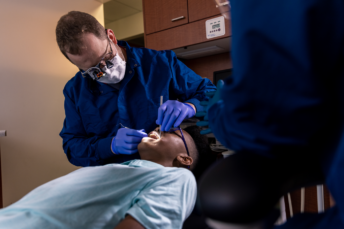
179 175
185 172
176 170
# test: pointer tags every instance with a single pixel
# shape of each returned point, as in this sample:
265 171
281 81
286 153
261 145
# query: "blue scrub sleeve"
81 149
196 103
186 85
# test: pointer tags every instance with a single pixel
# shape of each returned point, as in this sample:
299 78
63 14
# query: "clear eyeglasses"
172 130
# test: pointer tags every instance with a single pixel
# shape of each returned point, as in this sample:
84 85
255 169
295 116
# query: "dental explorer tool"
161 101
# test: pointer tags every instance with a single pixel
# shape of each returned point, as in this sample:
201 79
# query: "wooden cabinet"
185 35
164 14
188 33
199 9
172 24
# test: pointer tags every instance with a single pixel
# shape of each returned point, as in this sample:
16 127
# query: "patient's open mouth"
154 135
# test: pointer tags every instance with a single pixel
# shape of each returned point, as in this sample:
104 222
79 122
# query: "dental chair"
242 190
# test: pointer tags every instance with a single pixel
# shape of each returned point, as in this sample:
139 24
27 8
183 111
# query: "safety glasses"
172 130
96 72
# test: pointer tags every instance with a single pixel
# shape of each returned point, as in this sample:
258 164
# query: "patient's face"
166 147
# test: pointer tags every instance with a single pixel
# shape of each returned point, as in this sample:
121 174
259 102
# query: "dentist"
119 86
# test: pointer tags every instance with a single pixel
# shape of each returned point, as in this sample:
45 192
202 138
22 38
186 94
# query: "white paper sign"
215 27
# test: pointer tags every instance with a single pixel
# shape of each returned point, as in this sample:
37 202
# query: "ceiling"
118 9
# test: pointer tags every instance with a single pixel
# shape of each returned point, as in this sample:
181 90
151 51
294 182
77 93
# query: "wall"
127 27
206 66
33 74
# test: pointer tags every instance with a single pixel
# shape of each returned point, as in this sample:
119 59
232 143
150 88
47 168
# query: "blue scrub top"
286 96
94 110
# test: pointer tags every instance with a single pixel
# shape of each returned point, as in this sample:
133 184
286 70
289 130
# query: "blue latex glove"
127 140
172 113
214 98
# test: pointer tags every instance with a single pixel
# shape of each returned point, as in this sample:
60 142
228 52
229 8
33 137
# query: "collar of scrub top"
172 130
131 60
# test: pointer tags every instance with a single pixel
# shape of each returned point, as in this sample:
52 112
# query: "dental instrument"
161 101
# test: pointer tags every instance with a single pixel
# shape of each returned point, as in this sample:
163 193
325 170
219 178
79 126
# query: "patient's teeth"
154 135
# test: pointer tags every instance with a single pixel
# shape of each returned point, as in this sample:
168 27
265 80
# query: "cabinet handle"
178 18
222 4
3 133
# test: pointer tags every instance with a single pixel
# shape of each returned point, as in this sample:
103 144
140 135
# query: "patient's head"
170 151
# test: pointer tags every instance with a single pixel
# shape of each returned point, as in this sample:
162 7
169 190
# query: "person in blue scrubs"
285 100
157 191
115 97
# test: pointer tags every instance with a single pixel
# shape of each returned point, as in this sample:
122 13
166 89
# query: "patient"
154 192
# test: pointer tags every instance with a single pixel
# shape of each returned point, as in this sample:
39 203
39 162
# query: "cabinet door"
185 35
199 9
164 14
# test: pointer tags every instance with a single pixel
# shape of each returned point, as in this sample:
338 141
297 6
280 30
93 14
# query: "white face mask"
115 73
